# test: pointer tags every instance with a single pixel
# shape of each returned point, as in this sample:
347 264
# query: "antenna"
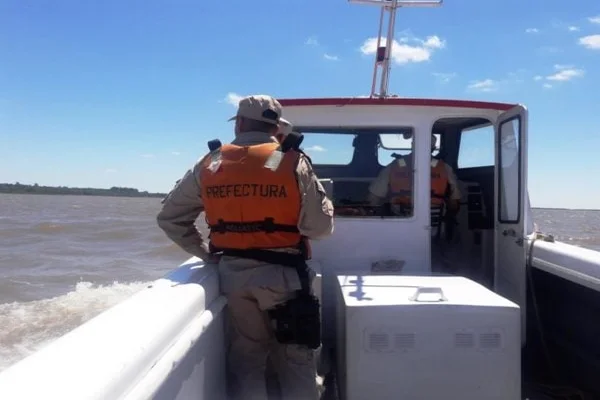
383 53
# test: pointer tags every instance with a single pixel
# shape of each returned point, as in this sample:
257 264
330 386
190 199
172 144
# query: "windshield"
336 146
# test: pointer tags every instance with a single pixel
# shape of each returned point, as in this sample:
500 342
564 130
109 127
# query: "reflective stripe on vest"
402 177
251 199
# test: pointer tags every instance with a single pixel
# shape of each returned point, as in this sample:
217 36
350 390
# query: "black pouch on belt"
298 320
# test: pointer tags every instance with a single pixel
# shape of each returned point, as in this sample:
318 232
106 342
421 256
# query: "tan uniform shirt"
380 186
183 205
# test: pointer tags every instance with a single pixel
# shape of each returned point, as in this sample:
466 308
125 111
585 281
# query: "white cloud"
175 153
486 85
444 77
403 52
532 30
565 73
564 26
147 155
590 42
434 42
563 66
110 170
233 98
312 41
315 148
595 20
510 81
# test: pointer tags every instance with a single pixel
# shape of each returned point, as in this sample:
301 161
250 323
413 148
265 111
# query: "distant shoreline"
18 188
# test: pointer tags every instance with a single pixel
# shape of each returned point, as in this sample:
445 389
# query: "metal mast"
384 53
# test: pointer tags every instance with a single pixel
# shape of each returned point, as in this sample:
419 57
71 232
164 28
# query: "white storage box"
425 338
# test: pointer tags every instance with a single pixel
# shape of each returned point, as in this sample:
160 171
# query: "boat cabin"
351 140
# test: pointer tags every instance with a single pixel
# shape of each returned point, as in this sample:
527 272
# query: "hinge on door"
513 233
509 232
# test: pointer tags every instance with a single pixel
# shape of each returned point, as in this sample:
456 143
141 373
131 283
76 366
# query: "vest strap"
274 159
268 225
215 160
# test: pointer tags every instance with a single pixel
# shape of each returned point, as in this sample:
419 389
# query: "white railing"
576 264
166 341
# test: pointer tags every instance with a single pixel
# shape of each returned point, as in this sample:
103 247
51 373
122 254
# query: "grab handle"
430 291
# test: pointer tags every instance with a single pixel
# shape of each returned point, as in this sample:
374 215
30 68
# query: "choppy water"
64 259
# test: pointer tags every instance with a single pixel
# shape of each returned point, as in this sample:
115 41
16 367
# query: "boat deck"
328 390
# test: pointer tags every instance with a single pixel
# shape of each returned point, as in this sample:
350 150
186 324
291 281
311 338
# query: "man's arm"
316 210
179 212
378 189
455 195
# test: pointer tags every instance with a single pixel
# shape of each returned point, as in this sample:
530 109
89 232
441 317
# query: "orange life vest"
251 197
401 181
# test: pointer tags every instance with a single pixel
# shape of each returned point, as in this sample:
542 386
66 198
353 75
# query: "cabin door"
511 192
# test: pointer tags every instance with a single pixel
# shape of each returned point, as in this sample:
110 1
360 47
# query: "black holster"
298 320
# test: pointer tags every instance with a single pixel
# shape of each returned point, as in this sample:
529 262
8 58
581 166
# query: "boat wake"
28 326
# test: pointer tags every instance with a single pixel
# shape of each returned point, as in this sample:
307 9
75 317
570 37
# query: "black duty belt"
295 261
267 225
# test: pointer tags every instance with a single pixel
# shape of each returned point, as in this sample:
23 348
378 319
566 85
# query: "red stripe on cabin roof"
395 101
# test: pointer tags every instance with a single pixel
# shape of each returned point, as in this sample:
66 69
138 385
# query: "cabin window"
476 147
399 144
509 158
351 158
328 148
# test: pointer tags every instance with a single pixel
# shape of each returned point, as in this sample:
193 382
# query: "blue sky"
103 93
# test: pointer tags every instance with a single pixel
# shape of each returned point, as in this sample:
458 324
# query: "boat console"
419 337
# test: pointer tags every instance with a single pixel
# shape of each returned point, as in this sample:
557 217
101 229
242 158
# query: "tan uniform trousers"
253 344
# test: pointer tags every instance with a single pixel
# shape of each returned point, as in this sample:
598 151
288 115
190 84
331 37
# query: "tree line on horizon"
18 188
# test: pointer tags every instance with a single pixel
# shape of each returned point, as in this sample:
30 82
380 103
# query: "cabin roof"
395 101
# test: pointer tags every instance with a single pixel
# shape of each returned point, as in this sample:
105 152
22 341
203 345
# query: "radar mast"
383 53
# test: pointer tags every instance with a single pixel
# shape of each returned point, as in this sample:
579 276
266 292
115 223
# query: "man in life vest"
261 202
395 183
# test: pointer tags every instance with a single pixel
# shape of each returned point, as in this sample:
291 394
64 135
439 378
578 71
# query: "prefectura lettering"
246 190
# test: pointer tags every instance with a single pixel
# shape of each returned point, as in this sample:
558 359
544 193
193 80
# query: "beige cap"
259 107
285 126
